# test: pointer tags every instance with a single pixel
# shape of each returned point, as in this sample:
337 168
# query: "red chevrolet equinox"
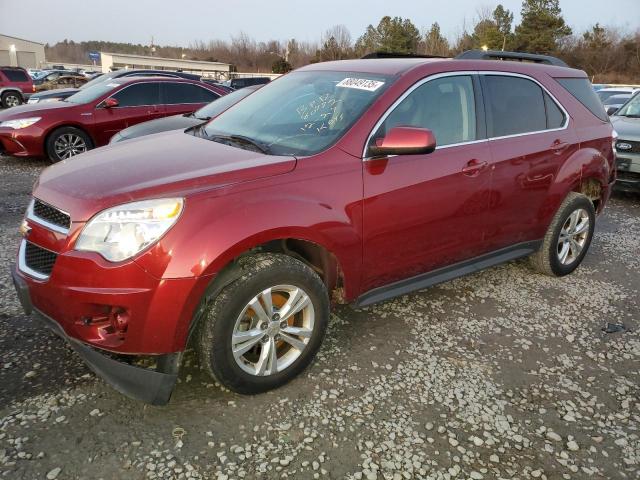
346 182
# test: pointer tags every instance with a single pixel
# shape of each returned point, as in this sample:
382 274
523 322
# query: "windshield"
87 95
218 106
631 108
301 113
97 80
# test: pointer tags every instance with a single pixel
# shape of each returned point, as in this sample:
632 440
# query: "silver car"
626 122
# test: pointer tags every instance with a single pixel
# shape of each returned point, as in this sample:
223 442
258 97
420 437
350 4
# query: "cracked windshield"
300 114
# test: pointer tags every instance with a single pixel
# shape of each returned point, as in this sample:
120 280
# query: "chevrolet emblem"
24 228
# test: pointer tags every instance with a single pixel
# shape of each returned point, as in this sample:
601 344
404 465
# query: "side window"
555 116
139 94
445 105
515 105
176 93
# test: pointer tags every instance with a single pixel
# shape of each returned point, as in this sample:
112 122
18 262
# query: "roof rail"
517 56
398 55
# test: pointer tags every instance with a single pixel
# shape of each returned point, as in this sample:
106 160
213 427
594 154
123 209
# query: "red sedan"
88 119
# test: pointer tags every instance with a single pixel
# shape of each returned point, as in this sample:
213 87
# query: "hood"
162 165
628 128
33 109
175 122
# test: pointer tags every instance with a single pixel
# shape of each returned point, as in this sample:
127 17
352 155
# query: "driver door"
426 211
137 103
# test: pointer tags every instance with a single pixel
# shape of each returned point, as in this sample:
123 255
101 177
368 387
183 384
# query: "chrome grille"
50 214
631 176
39 259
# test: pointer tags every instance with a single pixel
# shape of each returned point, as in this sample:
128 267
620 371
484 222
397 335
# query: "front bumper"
150 386
628 170
24 142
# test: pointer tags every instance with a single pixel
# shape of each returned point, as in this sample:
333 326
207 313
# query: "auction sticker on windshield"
361 84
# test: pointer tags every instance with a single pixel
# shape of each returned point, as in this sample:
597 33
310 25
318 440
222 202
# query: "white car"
605 93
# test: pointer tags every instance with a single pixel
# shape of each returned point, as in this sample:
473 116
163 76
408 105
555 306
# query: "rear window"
616 100
515 106
15 75
178 93
582 90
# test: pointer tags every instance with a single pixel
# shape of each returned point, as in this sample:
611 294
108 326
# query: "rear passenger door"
137 103
181 97
529 142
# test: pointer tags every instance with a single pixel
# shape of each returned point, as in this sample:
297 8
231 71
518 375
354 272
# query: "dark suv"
348 182
16 85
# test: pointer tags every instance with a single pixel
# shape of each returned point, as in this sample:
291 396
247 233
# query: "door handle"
473 168
559 146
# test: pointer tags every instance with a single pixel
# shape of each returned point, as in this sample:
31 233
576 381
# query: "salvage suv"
348 182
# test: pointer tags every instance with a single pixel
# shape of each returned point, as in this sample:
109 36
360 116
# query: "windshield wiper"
261 147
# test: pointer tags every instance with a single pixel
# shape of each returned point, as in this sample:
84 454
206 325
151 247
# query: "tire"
234 314
67 142
559 257
11 99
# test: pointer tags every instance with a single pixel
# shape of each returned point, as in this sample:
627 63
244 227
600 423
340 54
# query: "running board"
445 274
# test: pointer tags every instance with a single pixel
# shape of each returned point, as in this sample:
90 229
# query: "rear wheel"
266 327
568 237
67 142
11 99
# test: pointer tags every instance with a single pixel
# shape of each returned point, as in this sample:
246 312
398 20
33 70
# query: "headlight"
19 123
121 232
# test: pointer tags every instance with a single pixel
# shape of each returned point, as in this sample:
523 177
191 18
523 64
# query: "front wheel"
568 237
266 327
67 142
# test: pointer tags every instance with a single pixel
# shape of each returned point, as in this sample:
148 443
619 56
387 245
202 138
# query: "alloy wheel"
573 236
69 144
12 100
273 330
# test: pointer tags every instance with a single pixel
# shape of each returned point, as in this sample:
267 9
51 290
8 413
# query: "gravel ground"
500 375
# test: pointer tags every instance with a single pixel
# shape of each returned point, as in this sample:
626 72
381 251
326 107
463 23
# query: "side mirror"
404 141
110 103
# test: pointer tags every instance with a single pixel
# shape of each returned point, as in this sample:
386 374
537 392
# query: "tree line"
606 54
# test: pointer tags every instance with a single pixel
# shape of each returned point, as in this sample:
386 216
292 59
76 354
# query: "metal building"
114 61
17 52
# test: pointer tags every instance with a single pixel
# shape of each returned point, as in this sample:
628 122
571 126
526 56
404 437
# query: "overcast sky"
173 22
